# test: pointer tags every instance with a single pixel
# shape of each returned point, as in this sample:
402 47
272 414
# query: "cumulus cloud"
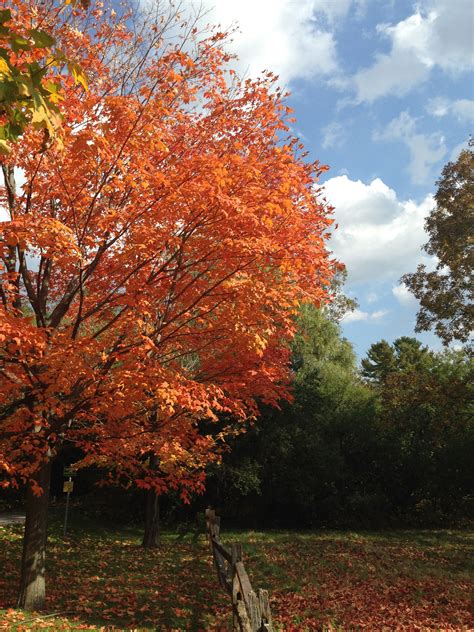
334 10
358 315
403 295
425 150
333 135
438 34
461 109
379 237
292 39
457 150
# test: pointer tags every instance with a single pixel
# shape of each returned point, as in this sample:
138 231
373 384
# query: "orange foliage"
152 268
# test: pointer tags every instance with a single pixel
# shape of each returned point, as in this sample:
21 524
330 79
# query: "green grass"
100 579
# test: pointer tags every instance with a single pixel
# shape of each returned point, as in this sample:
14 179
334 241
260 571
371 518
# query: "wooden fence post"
236 552
210 518
254 611
250 610
267 623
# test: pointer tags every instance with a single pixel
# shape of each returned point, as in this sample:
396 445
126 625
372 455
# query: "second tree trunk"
33 581
152 520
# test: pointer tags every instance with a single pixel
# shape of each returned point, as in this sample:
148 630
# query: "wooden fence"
251 610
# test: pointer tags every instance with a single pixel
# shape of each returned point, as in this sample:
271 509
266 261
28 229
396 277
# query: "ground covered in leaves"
100 579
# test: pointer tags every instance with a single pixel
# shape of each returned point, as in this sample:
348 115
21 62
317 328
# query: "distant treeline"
387 444
391 444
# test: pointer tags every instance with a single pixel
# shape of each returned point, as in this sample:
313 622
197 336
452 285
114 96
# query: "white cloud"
426 150
387 76
292 38
462 109
372 297
438 34
334 10
354 316
333 135
457 150
358 315
379 236
403 295
438 107
379 314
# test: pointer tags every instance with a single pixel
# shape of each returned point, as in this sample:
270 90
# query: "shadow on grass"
106 579
102 575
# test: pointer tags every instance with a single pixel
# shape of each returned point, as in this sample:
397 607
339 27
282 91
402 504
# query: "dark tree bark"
152 520
152 502
152 513
151 534
33 582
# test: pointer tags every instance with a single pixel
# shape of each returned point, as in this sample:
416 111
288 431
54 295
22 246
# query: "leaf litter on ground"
103 580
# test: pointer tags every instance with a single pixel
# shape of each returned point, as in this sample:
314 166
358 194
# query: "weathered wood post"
250 610
210 518
266 615
236 550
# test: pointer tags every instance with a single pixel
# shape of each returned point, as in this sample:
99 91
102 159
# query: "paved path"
11 518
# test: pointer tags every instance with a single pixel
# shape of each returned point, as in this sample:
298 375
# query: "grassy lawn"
100 579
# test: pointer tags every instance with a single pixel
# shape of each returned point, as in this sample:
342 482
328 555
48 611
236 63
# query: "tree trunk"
32 584
152 520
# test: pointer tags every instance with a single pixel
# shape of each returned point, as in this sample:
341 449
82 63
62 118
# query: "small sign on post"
68 486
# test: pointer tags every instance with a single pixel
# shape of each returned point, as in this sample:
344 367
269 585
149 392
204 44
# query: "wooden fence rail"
251 610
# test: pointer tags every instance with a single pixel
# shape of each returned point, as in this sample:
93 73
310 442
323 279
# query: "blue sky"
383 93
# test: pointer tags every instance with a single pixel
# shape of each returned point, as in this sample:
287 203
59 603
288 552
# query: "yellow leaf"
40 116
4 68
78 75
4 147
24 87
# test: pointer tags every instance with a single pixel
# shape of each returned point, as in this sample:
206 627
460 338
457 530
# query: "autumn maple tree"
152 267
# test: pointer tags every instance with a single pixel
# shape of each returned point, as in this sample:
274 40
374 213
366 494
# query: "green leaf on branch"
5 16
19 43
42 39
